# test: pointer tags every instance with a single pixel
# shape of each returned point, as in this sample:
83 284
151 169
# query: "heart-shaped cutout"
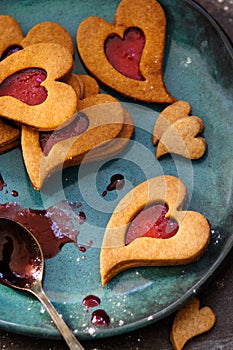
26 86
93 33
76 127
125 54
152 222
12 39
191 321
187 245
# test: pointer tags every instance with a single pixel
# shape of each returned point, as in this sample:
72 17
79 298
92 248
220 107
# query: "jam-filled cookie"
31 87
149 228
128 55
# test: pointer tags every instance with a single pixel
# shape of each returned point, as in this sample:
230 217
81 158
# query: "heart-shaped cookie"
175 131
191 321
185 246
105 117
61 100
128 56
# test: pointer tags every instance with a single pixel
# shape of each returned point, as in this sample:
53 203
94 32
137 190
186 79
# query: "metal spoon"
21 267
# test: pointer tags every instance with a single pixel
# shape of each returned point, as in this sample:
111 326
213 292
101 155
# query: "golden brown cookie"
52 62
105 118
12 40
123 249
190 321
138 34
175 131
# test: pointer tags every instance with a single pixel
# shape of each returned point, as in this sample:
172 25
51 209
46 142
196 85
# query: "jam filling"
10 50
152 222
25 85
78 126
125 54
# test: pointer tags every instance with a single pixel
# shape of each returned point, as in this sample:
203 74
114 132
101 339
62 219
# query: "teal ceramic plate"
198 68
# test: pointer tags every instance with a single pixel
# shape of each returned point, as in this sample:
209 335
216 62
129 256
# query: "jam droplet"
77 126
125 54
152 222
25 85
19 263
52 227
117 183
91 301
100 318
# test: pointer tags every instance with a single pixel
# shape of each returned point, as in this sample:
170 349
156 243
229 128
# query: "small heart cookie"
35 72
175 131
175 237
189 322
12 39
9 137
128 56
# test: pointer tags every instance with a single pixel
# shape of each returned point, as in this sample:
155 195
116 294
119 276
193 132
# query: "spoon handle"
67 334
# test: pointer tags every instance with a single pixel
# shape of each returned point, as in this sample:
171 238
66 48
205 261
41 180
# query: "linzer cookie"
190 321
12 39
175 131
149 228
9 137
99 122
31 90
128 56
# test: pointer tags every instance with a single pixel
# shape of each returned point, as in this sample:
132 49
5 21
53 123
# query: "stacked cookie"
40 95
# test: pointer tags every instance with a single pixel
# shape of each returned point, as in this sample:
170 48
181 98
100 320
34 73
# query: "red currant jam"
152 222
25 86
125 54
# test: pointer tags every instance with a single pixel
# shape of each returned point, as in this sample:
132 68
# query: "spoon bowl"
22 266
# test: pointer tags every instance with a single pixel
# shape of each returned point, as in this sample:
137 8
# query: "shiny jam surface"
19 264
152 222
117 182
125 54
25 85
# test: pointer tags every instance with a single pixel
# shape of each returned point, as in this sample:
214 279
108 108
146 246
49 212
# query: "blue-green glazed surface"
198 68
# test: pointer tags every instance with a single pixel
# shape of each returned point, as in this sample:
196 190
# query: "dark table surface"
218 293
